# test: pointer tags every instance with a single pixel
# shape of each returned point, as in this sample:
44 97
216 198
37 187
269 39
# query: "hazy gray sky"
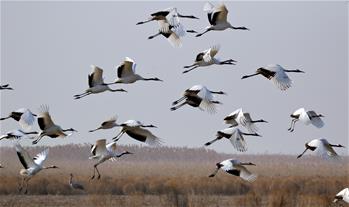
47 50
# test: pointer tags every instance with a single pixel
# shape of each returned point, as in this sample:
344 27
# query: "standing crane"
75 185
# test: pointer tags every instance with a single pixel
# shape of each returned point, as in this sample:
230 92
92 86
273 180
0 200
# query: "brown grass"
173 177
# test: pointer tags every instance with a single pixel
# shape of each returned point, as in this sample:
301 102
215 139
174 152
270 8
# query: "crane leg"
189 66
155 35
186 71
117 137
198 35
99 175
82 95
21 185
211 142
179 100
93 176
37 140
293 123
179 106
214 173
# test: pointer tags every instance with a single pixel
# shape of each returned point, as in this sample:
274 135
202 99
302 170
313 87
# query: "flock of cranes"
198 96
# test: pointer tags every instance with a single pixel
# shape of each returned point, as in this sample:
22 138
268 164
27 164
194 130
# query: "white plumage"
322 148
342 195
217 17
277 74
136 130
31 166
24 117
238 117
102 152
17 134
48 127
198 96
207 58
126 73
307 117
96 84
237 168
170 26
235 136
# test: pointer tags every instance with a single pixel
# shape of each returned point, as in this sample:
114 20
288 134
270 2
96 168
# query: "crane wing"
325 151
96 77
222 13
24 157
281 79
127 68
111 147
210 53
250 126
144 135
238 141
44 119
245 173
41 157
316 121
100 147
27 119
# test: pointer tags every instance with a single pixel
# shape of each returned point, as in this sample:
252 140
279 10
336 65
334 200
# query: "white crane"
235 136
111 123
31 165
307 117
322 148
102 153
166 14
75 185
238 117
170 27
173 34
343 195
206 58
277 74
237 168
5 87
24 117
126 73
17 134
198 96
137 131
96 84
217 17
48 127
